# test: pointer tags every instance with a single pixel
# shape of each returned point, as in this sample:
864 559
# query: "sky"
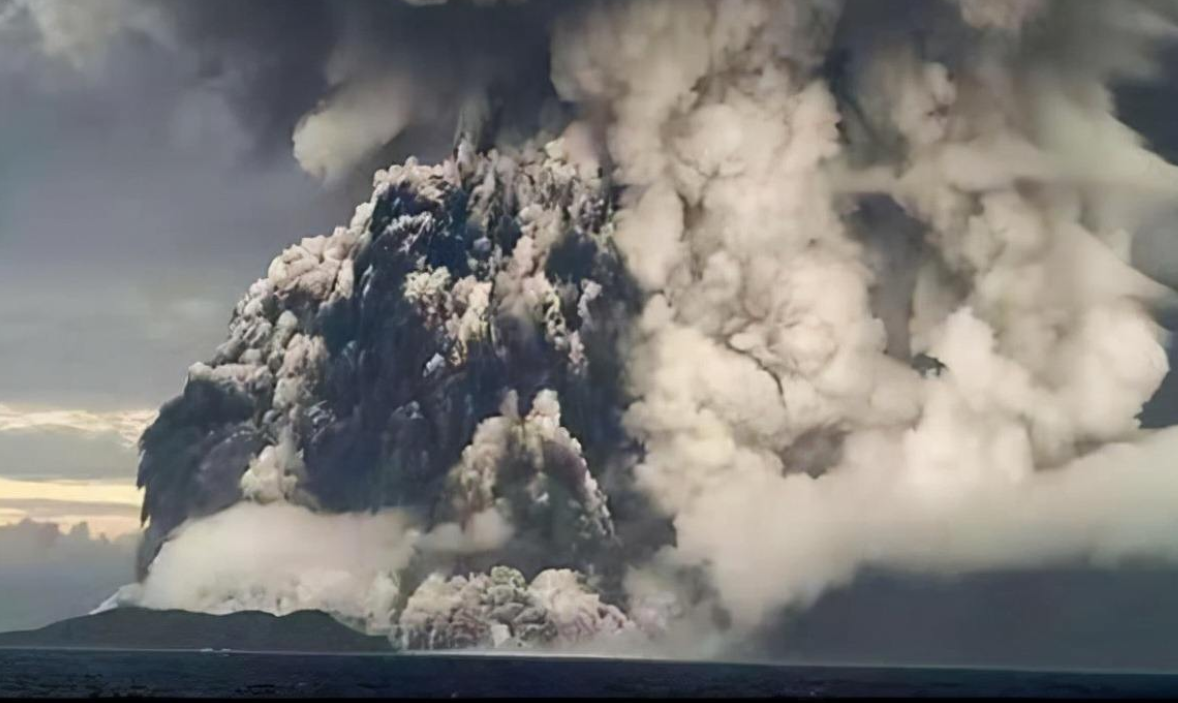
134 212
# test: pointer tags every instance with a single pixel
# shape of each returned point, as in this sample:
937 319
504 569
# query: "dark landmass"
192 674
137 628
1061 619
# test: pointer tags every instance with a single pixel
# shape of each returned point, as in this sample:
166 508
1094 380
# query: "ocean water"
86 673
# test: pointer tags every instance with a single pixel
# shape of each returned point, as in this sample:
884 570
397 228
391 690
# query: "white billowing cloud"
774 542
79 31
126 424
354 123
280 558
1009 15
762 332
484 532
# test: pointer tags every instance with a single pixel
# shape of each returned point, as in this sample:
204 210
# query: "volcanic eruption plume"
713 304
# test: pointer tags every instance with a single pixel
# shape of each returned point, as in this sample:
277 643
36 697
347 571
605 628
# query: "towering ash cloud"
750 295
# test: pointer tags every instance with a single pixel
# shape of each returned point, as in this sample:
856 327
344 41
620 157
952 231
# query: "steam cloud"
885 319
759 329
280 559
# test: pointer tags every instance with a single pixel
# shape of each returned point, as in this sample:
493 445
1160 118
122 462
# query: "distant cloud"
128 425
108 508
47 574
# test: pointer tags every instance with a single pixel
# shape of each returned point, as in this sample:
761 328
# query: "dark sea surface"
86 673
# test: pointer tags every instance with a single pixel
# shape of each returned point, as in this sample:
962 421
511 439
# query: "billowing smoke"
343 81
759 331
775 291
281 558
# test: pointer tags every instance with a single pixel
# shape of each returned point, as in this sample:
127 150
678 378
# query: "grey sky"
134 211
48 575
65 455
133 214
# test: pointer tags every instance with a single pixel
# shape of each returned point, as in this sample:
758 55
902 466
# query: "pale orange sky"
120 503
109 507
